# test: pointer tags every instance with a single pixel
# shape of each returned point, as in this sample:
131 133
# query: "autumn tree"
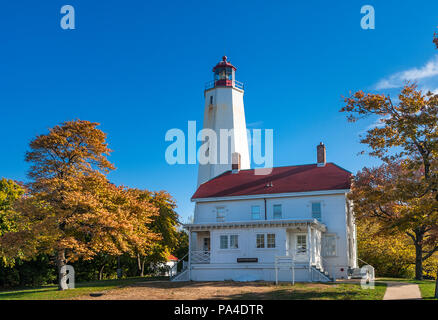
435 39
408 133
72 210
10 192
390 197
165 224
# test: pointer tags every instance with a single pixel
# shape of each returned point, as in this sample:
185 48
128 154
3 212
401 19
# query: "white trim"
274 195
254 223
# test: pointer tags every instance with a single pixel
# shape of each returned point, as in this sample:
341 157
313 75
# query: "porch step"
321 274
182 276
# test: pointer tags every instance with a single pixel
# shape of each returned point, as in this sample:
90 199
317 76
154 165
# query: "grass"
427 287
51 292
284 291
318 291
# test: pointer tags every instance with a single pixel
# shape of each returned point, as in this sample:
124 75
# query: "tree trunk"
418 261
101 272
436 286
419 236
142 268
139 271
60 262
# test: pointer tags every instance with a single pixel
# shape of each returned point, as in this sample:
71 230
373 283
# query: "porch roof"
256 224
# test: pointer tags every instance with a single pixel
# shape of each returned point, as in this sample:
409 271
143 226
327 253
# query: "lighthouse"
224 112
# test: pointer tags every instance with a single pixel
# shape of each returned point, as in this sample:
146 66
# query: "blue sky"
139 69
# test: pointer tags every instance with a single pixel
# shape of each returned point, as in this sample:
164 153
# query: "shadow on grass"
330 292
47 292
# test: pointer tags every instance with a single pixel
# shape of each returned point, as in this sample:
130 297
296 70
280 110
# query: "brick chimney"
235 162
320 155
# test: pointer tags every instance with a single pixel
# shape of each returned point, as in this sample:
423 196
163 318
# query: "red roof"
281 180
224 63
171 257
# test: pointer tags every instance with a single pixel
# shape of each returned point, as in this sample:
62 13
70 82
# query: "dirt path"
165 290
402 291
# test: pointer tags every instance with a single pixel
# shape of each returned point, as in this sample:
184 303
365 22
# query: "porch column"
314 246
309 238
190 255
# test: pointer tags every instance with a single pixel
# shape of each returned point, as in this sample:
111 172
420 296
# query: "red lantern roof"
223 64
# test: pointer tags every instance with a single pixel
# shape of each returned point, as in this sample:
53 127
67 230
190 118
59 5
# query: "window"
260 240
234 241
301 243
316 210
211 99
224 242
220 217
271 240
330 245
255 212
277 211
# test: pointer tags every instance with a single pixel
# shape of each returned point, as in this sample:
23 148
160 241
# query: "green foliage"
10 191
35 272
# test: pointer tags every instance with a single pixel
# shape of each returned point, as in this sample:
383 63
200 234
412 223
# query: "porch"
252 246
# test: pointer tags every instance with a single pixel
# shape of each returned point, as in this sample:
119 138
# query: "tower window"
211 99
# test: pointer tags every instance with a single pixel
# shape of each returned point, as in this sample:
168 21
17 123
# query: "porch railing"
200 256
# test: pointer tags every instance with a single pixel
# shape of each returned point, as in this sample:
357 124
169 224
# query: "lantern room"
224 76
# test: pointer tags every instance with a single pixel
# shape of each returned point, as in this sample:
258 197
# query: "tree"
72 210
10 192
165 224
388 197
435 39
408 133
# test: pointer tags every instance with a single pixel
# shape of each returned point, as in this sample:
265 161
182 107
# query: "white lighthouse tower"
224 110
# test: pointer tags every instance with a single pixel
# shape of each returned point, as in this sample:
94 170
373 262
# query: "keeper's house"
245 224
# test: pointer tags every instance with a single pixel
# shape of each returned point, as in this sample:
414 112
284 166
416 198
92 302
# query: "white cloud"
428 72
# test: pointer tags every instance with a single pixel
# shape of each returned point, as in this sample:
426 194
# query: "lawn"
427 287
143 288
51 292
229 290
319 291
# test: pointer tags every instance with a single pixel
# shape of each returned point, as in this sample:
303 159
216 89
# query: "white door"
301 246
